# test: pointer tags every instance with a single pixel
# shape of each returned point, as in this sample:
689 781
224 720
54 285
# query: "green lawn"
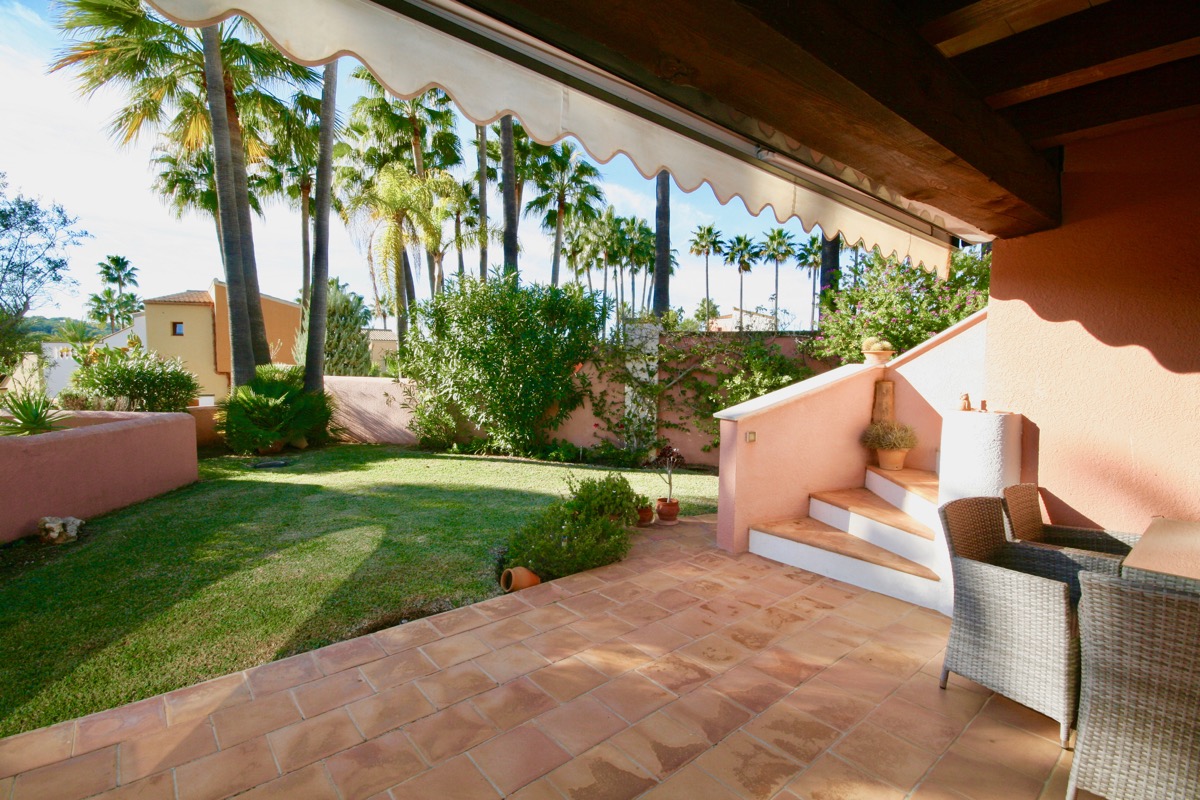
249 565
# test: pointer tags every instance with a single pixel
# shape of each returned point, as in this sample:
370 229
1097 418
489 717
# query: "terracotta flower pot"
873 358
274 447
517 578
645 516
668 511
891 459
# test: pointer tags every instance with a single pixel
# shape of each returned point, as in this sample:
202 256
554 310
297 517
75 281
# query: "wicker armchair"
1024 514
1140 699
1014 628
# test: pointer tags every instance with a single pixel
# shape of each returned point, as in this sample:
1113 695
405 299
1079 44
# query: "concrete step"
868 505
815 533
913 491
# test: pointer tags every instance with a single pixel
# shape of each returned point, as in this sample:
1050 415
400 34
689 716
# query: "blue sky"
55 146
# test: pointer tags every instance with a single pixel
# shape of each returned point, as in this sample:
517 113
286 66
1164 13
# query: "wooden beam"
941 21
1054 119
799 71
1083 41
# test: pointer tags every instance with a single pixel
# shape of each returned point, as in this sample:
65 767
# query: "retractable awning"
490 70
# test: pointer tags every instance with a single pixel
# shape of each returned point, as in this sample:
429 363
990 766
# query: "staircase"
885 537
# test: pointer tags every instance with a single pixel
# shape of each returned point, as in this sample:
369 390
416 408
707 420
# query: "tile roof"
382 335
190 297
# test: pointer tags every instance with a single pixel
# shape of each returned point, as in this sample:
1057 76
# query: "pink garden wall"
1093 329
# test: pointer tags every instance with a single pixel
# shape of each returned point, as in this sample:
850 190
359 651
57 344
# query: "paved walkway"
682 672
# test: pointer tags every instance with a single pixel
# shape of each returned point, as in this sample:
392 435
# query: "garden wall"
370 410
105 461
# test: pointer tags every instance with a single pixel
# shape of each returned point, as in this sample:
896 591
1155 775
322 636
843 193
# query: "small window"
177 329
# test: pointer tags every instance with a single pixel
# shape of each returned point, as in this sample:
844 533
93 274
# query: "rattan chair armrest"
1090 539
1010 591
1057 563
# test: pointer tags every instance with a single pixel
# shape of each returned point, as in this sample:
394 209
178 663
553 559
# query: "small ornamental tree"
501 357
347 342
902 303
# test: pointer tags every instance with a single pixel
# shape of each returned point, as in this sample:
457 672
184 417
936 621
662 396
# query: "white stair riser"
917 507
902 543
893 583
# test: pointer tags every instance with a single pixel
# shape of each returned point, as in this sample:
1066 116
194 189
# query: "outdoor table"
1170 549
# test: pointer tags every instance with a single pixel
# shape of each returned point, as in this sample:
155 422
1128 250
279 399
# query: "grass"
249 565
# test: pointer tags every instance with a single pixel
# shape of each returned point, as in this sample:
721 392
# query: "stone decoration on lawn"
59 530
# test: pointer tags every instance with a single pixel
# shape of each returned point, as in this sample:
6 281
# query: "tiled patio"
683 672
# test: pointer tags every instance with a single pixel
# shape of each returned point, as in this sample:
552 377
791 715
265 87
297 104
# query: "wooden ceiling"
951 103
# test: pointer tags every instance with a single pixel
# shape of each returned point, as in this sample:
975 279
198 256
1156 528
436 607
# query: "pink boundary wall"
370 410
105 461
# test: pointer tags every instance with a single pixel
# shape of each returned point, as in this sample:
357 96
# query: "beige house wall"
194 347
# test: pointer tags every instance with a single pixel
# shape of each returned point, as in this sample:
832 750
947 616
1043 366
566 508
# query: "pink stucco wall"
108 460
371 409
206 425
1092 333
808 443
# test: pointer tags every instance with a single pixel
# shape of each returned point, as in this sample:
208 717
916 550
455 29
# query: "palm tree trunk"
558 239
379 308
481 137
508 166
241 351
410 285
258 328
462 266
662 245
776 315
400 290
318 317
604 330
305 248
831 258
741 299
707 300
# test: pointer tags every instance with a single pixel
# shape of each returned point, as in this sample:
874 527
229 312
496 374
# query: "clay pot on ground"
517 578
300 442
274 447
875 358
668 511
891 459
645 516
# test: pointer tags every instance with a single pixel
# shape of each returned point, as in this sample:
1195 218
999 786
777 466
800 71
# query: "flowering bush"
901 303
141 379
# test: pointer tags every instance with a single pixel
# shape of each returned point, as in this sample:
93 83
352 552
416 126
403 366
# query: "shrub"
146 381
888 435
32 413
347 342
273 408
585 531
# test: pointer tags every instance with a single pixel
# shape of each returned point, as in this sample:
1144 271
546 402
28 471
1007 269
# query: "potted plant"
667 459
877 351
891 442
645 511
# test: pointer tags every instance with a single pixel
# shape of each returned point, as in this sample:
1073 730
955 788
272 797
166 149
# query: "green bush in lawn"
142 378
347 341
273 408
584 531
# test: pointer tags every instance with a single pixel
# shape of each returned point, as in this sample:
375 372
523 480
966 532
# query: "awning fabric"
410 57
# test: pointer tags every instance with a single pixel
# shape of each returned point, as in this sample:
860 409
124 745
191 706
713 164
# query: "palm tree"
605 236
706 241
808 257
187 180
831 265
637 242
569 191
779 246
114 309
508 188
318 318
742 252
117 271
662 245
481 178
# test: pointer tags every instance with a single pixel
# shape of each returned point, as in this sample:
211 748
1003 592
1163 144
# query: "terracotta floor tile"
448 686
896 761
283 674
625 592
934 791
513 703
408 635
456 779
118 724
633 696
862 680
887 659
305 742
35 749
677 673
228 772
787 583
708 712
982 779
602 627
658 580
389 709
589 604
310 783
538 790
927 620
73 779
786 666
749 767
694 622
455 649
547 618
917 724
374 765
542 594
502 607
457 621
567 679
691 783
196 702
1001 708
841 629
660 744
147 755
581 724
640 612
347 654
754 596
501 634
955 702
338 689
706 586
912 640
656 639
717 652
750 688
674 599
614 658
754 635
602 773
579 583
830 704
830 778
801 736
1020 750
245 721
450 732
815 646
510 662
156 787
558 644
518 757
400 668
828 593
870 611
726 609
